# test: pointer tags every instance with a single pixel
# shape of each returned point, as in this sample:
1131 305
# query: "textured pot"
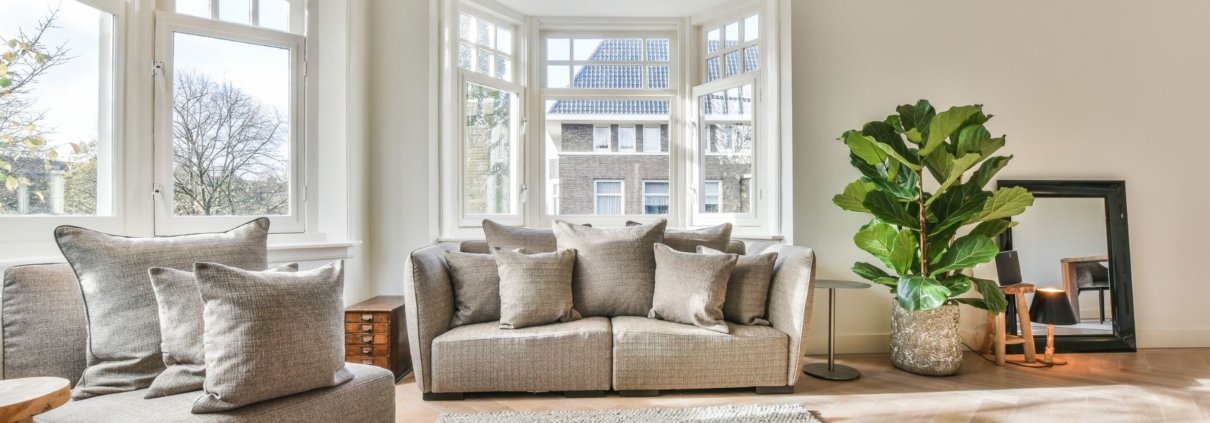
926 342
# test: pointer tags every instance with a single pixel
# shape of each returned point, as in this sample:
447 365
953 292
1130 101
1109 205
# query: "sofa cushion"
181 327
654 354
369 397
512 238
123 319
270 334
476 287
687 240
615 267
748 289
535 289
38 300
690 288
572 356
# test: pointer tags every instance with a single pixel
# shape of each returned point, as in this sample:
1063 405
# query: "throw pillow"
615 267
123 351
181 328
687 241
476 287
535 289
270 334
531 241
690 288
748 289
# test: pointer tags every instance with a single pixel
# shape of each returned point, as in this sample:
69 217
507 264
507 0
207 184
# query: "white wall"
1085 90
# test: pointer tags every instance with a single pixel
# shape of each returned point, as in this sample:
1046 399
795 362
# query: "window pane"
626 138
465 56
732 34
576 129
237 11
231 128
558 49
608 49
657 50
504 68
199 8
489 148
558 76
712 72
751 58
485 63
466 27
752 28
733 63
728 140
608 76
487 34
657 77
655 198
609 187
274 14
713 41
504 40
55 127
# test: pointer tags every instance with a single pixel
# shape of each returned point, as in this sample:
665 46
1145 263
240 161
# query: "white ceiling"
629 8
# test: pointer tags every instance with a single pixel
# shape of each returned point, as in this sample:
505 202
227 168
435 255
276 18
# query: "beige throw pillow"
615 267
476 287
748 289
535 289
687 241
690 288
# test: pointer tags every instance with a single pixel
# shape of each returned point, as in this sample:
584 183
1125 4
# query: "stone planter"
926 342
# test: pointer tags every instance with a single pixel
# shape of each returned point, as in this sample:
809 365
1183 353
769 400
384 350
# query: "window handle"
524 125
693 198
524 192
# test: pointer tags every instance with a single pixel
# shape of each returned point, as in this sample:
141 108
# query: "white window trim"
755 218
621 196
597 146
645 194
469 219
659 130
483 15
720 192
634 139
166 222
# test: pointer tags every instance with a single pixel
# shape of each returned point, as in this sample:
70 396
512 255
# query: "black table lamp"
1052 307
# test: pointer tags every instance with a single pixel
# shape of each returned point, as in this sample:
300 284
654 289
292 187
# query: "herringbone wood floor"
1149 386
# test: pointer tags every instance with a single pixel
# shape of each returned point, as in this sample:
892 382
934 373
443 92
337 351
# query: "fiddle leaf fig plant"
913 231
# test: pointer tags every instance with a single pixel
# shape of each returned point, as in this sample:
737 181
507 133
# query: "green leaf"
1005 202
916 117
990 147
11 183
966 252
993 297
960 166
864 147
891 143
883 206
918 293
874 274
853 195
5 82
971 139
903 251
895 122
973 302
940 163
993 228
953 207
877 238
943 125
901 185
978 118
956 283
988 169
6 166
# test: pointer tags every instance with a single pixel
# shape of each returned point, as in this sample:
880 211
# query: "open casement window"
229 116
61 114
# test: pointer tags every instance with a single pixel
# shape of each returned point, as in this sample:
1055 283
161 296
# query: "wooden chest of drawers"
376 334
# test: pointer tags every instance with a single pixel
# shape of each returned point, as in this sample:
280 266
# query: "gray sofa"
633 355
44 335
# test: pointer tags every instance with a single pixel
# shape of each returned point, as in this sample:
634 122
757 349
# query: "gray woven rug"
748 414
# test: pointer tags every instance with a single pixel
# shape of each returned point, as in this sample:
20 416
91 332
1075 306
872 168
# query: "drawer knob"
367 339
366 350
367 317
367 328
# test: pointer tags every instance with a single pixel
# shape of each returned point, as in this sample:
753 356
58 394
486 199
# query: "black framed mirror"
1075 238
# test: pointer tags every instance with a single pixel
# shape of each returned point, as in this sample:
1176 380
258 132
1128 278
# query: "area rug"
748 414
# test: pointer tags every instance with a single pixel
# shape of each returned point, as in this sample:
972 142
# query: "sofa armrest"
791 296
429 304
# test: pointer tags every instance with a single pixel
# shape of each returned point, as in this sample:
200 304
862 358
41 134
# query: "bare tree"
227 150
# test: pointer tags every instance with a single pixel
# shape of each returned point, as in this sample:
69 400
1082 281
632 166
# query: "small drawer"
374 350
367 327
359 317
366 339
372 361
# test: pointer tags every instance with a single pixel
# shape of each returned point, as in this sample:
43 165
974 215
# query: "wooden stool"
995 327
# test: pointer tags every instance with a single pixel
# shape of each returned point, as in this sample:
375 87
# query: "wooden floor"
1150 386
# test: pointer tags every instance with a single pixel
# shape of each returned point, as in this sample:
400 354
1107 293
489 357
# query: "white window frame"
597 145
741 18
755 215
596 184
717 183
482 15
634 139
469 219
658 142
296 23
646 194
169 23
112 132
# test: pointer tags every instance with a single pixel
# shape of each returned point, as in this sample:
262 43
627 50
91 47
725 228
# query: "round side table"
831 370
22 399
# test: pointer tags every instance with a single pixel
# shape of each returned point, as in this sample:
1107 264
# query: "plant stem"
924 230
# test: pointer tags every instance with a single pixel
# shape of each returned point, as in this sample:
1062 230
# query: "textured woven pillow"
687 241
535 289
748 289
615 267
476 287
690 288
123 319
270 334
531 241
181 328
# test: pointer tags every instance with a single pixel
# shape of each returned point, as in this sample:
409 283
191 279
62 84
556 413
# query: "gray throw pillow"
531 241
476 288
615 267
270 334
687 241
181 329
535 289
123 318
690 288
748 289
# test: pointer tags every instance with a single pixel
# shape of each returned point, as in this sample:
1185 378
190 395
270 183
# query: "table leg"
831 370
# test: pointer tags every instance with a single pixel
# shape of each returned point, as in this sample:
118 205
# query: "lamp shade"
1052 307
